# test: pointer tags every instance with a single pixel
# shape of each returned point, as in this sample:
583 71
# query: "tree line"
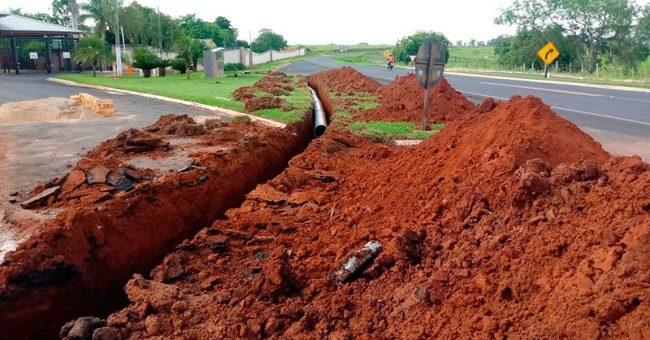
147 26
588 33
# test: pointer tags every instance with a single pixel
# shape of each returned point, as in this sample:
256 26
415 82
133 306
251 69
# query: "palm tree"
188 49
101 12
92 50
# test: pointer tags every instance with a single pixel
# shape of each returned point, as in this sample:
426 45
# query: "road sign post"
429 67
549 53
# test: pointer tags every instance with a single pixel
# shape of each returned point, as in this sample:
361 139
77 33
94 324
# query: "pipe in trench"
320 119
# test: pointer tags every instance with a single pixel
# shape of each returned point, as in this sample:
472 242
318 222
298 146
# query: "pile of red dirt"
513 223
124 206
345 80
275 84
403 100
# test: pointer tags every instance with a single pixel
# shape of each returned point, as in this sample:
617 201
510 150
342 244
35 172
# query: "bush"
234 67
410 45
178 65
145 60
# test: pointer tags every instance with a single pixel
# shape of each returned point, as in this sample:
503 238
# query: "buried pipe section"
320 119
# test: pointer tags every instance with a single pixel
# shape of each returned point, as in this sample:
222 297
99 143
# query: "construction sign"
548 53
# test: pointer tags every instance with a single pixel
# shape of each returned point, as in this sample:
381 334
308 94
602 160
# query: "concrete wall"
239 55
246 56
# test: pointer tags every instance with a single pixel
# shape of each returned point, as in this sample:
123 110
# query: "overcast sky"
336 21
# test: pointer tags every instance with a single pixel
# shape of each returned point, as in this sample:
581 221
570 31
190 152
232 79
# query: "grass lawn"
382 131
334 48
209 91
368 57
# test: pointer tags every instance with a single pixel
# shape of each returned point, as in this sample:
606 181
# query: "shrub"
145 60
178 64
234 67
410 45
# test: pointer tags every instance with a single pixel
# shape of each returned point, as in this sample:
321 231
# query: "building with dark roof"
28 44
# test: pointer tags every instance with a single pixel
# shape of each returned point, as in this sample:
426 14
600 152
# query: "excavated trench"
79 267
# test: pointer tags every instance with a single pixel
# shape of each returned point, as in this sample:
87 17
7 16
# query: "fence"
248 58
241 55
560 69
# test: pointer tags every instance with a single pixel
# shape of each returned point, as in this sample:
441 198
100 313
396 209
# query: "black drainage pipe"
320 119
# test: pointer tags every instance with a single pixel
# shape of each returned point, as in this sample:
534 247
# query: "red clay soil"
511 224
403 100
124 206
345 80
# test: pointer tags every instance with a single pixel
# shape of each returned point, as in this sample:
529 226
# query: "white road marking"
602 116
545 89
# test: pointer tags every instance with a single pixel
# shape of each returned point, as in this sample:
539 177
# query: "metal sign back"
430 62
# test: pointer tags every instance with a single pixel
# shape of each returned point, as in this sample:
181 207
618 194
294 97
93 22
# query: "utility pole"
118 49
74 13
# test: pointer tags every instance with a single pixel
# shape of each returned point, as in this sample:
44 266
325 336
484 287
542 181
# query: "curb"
555 82
219 110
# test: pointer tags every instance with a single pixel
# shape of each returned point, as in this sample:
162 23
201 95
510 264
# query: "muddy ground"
510 222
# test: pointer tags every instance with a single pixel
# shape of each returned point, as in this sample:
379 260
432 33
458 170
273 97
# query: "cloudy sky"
336 21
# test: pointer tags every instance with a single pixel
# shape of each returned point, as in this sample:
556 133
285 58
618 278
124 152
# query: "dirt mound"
52 109
516 131
510 224
345 80
403 100
122 208
275 84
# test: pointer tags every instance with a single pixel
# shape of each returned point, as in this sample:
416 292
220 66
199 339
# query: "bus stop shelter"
32 45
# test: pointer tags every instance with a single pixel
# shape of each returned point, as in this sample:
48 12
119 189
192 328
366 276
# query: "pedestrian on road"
6 67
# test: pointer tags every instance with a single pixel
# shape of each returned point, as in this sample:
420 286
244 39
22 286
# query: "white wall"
244 56
261 58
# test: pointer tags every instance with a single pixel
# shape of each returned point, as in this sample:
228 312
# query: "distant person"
391 61
6 66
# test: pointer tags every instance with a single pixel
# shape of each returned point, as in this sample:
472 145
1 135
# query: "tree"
223 23
188 49
521 49
61 13
92 50
595 23
242 44
643 27
268 40
195 28
101 12
410 45
141 26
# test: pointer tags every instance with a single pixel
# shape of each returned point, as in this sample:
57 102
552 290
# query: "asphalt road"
619 119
